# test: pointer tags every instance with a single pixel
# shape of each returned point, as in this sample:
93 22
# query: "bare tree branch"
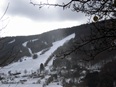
4 12
101 8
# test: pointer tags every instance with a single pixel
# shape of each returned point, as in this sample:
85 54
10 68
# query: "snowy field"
28 85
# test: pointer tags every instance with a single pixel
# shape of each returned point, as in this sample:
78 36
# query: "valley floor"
29 85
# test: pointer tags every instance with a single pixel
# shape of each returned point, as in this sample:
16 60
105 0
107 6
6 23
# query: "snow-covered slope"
29 64
29 85
24 73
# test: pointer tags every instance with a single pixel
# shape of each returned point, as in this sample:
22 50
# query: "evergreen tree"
41 67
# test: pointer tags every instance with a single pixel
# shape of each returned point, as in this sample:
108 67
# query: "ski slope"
30 64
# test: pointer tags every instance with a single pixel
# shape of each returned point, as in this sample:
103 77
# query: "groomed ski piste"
28 65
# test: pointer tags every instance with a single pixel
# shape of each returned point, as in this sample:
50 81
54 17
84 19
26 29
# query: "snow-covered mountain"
37 61
28 63
28 66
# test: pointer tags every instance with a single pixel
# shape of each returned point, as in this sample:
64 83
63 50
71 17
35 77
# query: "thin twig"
5 11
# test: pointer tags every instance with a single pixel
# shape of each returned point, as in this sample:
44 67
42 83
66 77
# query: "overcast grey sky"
26 19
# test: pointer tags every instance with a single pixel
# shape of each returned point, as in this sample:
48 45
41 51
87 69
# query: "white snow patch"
34 40
50 62
25 44
11 41
30 51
